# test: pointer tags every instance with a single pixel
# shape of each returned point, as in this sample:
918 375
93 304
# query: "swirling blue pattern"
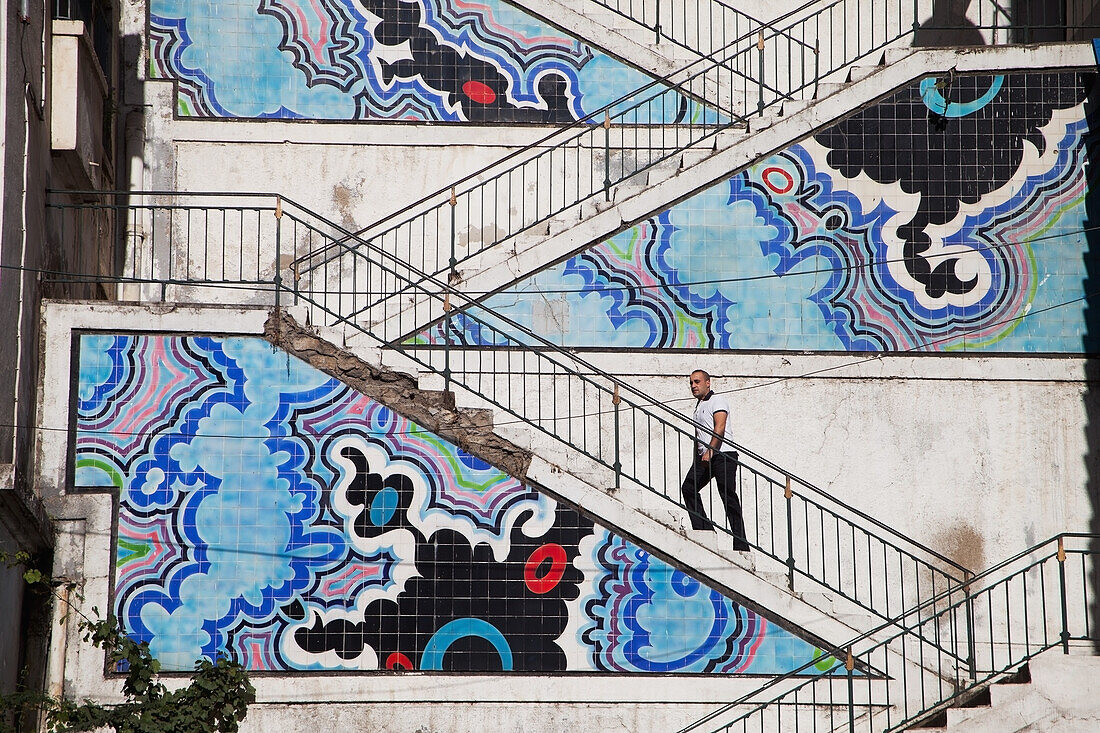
324 61
804 251
270 513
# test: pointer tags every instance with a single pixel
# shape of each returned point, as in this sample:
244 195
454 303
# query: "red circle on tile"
479 92
397 660
772 177
553 552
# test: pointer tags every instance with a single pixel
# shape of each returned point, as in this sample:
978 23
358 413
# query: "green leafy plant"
216 701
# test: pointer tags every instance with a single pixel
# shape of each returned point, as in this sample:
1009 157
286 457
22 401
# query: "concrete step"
640 35
827 89
1052 693
894 54
759 123
793 106
671 50
858 73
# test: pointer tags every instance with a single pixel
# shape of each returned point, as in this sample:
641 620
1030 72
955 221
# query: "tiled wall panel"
413 60
956 215
268 512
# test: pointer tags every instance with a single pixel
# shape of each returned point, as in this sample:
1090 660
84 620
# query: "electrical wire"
715 281
871 263
988 247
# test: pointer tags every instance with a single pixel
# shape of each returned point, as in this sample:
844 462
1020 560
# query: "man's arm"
716 439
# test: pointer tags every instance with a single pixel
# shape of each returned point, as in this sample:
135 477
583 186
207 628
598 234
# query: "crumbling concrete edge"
469 429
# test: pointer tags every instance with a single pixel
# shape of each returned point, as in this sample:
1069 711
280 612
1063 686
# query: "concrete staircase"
1053 693
578 480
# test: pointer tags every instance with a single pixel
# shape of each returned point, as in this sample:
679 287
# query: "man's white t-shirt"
704 421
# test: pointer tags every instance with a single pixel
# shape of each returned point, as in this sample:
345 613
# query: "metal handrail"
696 71
999 620
660 17
637 440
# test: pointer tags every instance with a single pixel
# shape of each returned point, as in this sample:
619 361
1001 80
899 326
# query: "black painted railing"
1041 599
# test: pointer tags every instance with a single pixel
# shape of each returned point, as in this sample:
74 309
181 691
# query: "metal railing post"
789 495
453 262
1062 593
607 156
850 665
817 64
916 15
452 277
657 23
760 74
278 246
617 465
447 343
294 267
971 647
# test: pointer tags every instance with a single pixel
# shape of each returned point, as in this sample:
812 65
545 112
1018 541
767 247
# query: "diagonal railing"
706 27
1041 599
703 27
576 171
229 248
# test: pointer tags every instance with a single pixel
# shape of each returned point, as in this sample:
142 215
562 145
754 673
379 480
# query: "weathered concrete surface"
1062 697
470 429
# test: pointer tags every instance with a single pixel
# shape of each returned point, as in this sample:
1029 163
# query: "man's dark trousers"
723 468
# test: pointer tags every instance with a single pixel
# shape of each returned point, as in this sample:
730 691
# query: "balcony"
80 99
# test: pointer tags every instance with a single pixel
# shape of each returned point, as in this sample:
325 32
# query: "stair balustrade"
1040 599
266 249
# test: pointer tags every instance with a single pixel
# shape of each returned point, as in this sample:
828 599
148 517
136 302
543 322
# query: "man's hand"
707 455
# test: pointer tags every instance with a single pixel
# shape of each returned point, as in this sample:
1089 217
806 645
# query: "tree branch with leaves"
216 701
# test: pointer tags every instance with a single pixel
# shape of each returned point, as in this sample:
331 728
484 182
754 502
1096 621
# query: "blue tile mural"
270 513
953 216
416 60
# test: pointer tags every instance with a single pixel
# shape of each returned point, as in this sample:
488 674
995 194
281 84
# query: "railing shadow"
1090 346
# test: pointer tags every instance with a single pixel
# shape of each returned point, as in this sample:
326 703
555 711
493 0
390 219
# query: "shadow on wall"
1031 21
1091 348
948 26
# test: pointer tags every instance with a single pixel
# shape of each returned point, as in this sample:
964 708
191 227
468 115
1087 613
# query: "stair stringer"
694 169
757 582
